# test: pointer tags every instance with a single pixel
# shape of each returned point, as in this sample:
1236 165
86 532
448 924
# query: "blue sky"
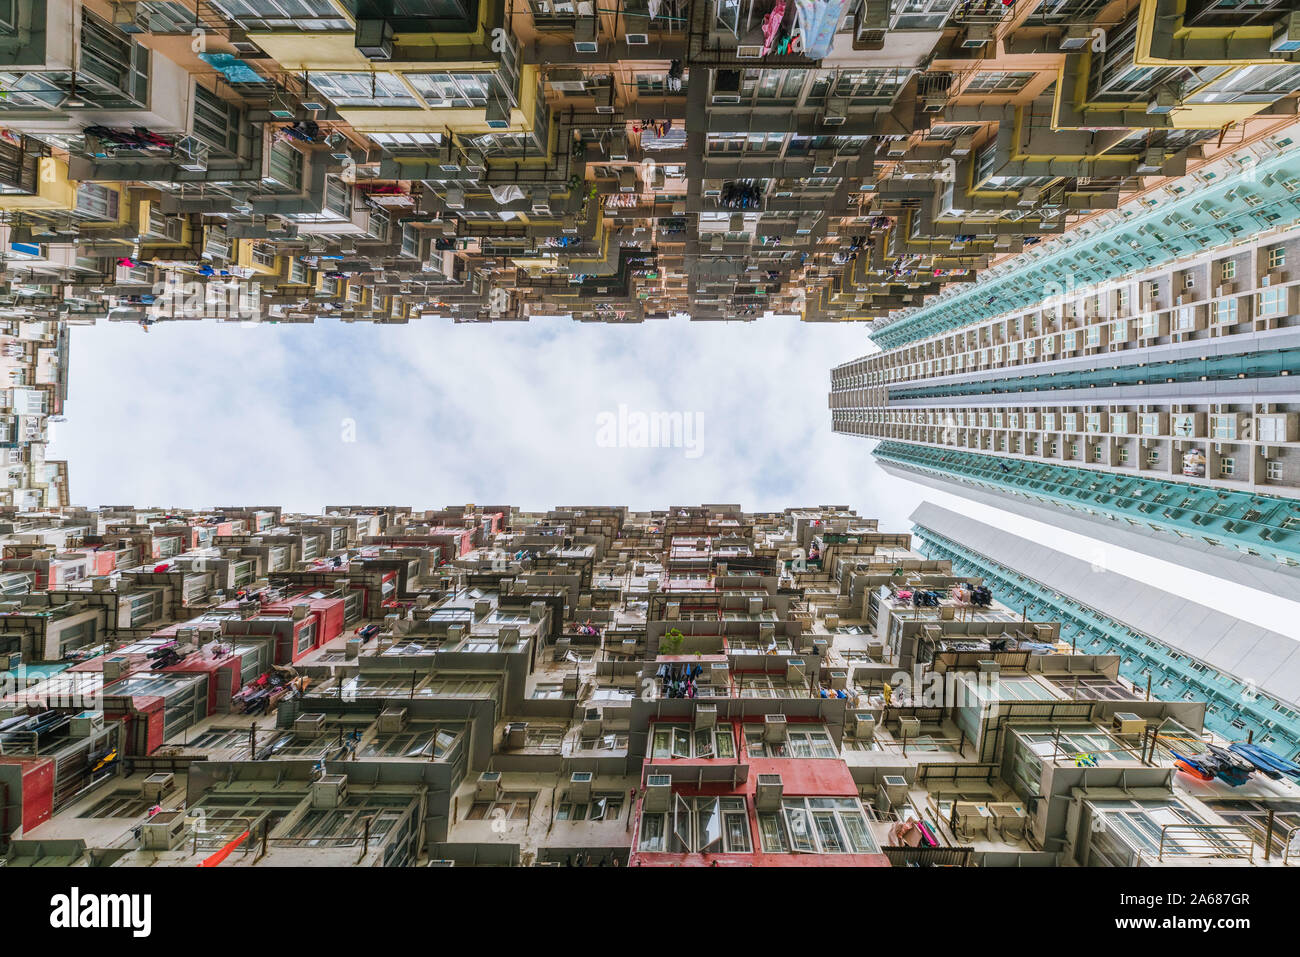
201 413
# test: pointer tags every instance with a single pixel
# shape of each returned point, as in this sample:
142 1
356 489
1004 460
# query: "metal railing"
1207 840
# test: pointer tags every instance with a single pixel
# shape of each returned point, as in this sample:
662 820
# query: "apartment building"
1130 379
283 160
34 356
1175 644
597 686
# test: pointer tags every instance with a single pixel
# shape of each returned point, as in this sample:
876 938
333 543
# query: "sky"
538 414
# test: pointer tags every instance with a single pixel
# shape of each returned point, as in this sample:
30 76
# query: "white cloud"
200 413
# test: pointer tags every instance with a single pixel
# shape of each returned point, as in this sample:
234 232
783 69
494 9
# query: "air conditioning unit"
1286 36
329 791
498 112
774 727
836 112
864 726
711 187
392 720
894 787
796 670
1165 101
86 724
591 722
516 734
126 17
823 162
508 637
374 39
580 787
455 198
876 650
488 786
604 99
934 104
909 727
164 831
1127 723
562 646
1153 161
768 791
156 785
570 80
977 35
706 716
718 673
839 680
447 157
658 793
962 145
586 32
115 668
309 725
1076 37
637 39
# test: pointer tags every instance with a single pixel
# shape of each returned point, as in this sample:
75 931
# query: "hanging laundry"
506 194
818 22
234 69
772 26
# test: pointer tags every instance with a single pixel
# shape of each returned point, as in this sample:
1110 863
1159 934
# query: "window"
1223 426
215 120
1273 471
509 806
1225 312
998 82
1227 466
453 89
306 637
285 167
1272 301
96 202
113 70
1228 270
603 807
1277 257
283 14
679 741
816 826
701 825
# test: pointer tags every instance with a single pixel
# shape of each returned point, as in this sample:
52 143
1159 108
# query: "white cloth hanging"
506 194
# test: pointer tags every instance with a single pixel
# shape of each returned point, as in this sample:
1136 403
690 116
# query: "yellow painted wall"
54 190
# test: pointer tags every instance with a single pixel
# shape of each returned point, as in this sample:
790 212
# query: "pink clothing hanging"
772 26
